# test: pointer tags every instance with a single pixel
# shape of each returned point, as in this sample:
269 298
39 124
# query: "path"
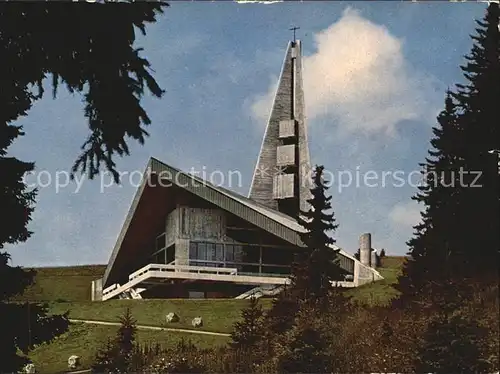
157 328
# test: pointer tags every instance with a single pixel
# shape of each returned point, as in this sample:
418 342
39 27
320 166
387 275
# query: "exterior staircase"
260 291
132 293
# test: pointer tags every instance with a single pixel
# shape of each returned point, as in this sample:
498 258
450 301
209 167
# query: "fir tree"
248 332
104 358
480 126
125 340
432 243
322 263
91 59
280 318
458 235
305 346
450 345
118 355
25 325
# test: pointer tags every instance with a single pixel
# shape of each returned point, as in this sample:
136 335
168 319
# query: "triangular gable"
265 218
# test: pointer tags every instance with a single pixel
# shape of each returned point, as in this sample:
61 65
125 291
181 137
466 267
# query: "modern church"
184 237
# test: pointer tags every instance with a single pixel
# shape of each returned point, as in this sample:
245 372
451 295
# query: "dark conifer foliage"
74 44
22 326
248 332
306 351
450 345
458 235
480 124
320 267
119 355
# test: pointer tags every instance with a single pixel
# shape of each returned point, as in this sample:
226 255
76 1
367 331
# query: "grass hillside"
383 291
69 283
68 289
218 315
84 340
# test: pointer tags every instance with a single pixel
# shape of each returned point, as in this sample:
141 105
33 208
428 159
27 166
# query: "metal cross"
294 29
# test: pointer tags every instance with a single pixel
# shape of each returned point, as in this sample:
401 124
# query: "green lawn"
218 315
68 289
84 340
383 291
69 283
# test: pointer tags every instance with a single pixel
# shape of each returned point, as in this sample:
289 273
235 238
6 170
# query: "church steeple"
281 178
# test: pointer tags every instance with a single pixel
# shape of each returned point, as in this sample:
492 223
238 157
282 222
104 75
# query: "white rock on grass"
29 369
172 317
73 362
197 322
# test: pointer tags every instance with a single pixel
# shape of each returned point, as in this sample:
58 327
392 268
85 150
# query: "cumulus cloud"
359 79
405 215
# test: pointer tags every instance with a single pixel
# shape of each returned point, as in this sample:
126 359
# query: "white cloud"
359 79
405 215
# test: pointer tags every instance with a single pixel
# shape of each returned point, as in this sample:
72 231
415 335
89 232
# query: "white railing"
110 289
182 268
151 271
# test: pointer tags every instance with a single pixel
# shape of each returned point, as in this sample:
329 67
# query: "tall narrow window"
229 253
193 250
211 252
202 251
160 242
219 252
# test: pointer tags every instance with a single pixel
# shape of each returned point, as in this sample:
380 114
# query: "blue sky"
375 74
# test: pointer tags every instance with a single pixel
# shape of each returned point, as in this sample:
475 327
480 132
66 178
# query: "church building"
184 237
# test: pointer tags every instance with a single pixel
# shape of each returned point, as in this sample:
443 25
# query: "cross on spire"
294 29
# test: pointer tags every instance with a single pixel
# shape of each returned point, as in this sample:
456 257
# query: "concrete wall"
172 227
364 274
202 224
182 251
96 290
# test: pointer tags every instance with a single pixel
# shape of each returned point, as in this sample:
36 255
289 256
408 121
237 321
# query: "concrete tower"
365 249
282 178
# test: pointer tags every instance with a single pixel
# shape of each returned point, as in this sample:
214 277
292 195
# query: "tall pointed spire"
281 178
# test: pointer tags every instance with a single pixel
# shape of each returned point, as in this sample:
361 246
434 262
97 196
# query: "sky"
375 76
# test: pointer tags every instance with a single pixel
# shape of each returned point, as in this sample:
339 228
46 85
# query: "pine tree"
458 235
480 125
248 332
433 239
450 345
322 263
305 346
125 340
22 326
91 59
119 354
104 358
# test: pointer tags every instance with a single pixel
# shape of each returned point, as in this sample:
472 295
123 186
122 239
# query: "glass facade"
162 255
211 254
247 258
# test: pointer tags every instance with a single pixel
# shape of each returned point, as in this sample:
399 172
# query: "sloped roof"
267 219
275 215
